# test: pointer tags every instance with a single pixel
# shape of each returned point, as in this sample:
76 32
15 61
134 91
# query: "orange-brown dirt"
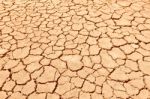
74 49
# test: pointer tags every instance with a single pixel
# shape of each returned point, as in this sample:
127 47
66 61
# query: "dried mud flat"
74 49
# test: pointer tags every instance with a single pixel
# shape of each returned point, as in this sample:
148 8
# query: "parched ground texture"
74 49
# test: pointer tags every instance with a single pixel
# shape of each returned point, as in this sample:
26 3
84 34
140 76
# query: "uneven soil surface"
74 49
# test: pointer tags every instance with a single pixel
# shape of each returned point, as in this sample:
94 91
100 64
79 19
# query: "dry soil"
74 49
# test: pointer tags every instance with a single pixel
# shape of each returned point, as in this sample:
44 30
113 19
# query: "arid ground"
74 49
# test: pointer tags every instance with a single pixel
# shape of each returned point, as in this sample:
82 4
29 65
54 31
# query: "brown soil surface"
74 49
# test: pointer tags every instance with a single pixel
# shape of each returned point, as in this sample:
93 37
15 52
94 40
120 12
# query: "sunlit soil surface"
74 49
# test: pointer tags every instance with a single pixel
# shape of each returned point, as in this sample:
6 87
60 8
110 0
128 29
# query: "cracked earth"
74 49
